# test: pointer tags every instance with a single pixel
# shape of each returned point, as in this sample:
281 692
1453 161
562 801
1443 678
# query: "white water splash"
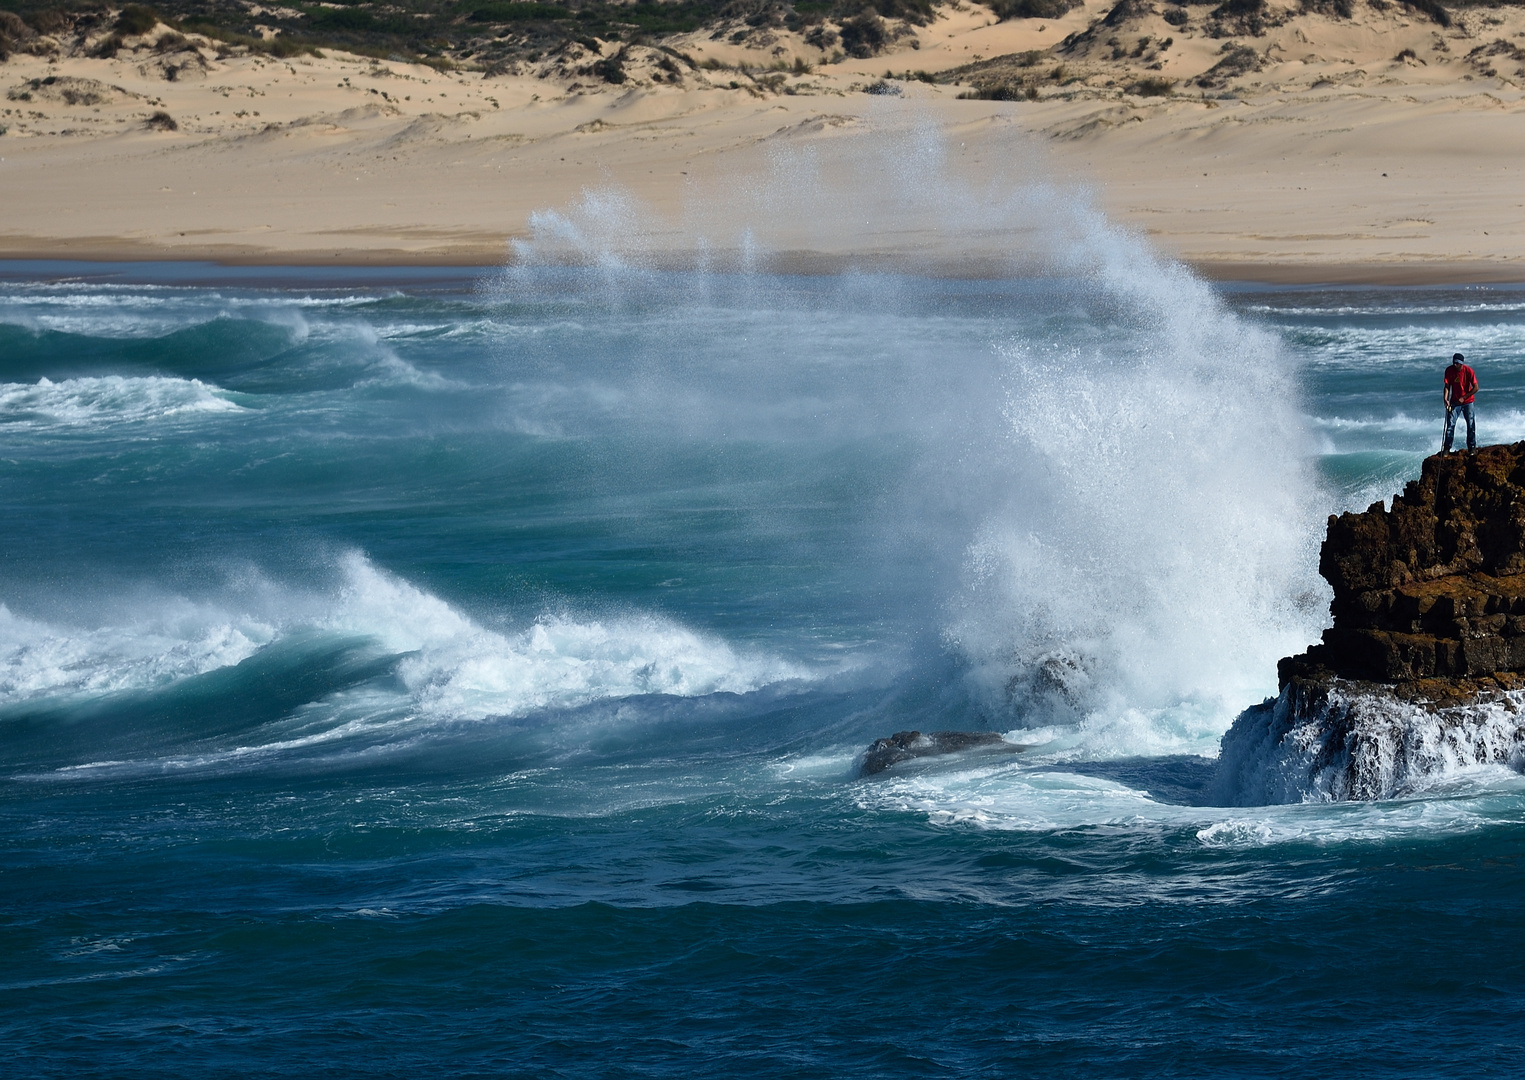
1349 744
1129 486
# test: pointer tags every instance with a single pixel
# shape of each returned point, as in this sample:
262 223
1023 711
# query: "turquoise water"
463 673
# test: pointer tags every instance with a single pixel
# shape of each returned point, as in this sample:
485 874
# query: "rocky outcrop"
1423 672
1433 588
913 745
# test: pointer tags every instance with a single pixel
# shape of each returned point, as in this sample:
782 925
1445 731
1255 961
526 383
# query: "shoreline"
355 266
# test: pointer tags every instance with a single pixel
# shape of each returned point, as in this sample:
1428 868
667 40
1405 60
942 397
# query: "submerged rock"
910 745
1421 673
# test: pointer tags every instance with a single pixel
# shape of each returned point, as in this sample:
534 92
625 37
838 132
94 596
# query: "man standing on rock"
1460 388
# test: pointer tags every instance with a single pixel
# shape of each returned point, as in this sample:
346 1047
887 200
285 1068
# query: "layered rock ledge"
1423 671
1433 589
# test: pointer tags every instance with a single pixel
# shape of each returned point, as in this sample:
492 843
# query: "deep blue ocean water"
463 673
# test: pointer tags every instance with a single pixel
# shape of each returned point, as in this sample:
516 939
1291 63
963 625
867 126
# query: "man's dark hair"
1457 358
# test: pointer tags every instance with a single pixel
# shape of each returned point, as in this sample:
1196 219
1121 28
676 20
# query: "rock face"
910 745
1435 587
1423 672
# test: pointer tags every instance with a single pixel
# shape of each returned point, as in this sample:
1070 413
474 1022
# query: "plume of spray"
1158 556
1122 513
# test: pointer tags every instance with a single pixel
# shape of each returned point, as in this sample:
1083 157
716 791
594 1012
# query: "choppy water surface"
465 675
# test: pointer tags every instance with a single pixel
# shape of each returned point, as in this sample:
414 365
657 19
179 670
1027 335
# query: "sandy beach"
1328 158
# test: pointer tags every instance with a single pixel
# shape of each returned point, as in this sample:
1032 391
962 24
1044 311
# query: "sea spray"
1117 502
1157 547
817 197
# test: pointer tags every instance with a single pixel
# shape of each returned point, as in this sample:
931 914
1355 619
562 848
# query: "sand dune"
1320 155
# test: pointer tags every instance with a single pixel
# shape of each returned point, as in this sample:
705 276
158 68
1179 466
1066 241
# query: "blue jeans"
1465 408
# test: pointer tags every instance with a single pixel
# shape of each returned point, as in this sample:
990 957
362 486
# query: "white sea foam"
1192 725
107 399
1421 344
1325 825
1503 305
1423 432
148 311
1017 796
1009 797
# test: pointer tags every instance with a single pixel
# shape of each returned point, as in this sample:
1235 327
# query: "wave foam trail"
87 401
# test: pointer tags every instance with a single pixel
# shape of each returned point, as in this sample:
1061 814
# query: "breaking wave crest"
107 399
377 651
176 642
454 667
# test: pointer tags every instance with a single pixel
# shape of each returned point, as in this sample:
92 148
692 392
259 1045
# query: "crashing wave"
1335 740
448 665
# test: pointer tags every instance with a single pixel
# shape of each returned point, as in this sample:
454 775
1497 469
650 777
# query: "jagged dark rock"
910 745
1423 671
1433 588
